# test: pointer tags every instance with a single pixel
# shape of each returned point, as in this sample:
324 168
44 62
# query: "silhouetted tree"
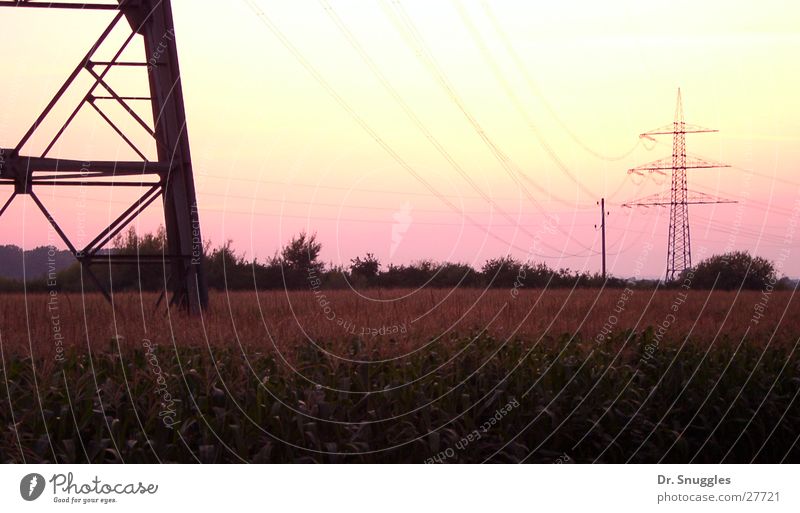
455 275
336 277
730 271
32 264
227 270
365 271
300 259
501 272
415 275
297 266
147 276
268 275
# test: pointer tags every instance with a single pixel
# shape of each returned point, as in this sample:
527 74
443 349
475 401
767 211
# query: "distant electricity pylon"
679 244
168 177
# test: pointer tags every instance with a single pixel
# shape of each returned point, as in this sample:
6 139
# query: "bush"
365 271
730 271
298 264
501 272
300 260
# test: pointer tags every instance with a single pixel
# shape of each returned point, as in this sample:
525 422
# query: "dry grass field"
391 322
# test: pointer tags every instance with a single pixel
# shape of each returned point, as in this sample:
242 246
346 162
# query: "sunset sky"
311 137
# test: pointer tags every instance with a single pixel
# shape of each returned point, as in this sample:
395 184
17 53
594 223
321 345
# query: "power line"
374 191
747 199
267 22
416 42
498 74
535 89
353 41
312 204
755 204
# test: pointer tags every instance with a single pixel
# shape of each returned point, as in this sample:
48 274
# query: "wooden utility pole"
603 230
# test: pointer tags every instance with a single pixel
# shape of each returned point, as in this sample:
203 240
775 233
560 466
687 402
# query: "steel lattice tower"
167 177
679 243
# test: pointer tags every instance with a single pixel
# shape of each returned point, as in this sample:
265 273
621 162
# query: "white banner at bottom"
400 488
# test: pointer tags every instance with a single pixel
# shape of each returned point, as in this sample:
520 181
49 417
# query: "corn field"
403 376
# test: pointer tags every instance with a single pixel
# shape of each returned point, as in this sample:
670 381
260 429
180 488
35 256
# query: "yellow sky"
275 152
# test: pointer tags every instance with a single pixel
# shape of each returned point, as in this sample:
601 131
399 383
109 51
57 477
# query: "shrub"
731 270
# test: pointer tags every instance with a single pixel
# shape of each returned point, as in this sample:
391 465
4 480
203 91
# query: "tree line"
297 266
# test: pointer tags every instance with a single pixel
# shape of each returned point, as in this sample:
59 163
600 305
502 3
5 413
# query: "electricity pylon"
168 176
679 244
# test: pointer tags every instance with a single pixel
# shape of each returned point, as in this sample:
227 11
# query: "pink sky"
275 154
